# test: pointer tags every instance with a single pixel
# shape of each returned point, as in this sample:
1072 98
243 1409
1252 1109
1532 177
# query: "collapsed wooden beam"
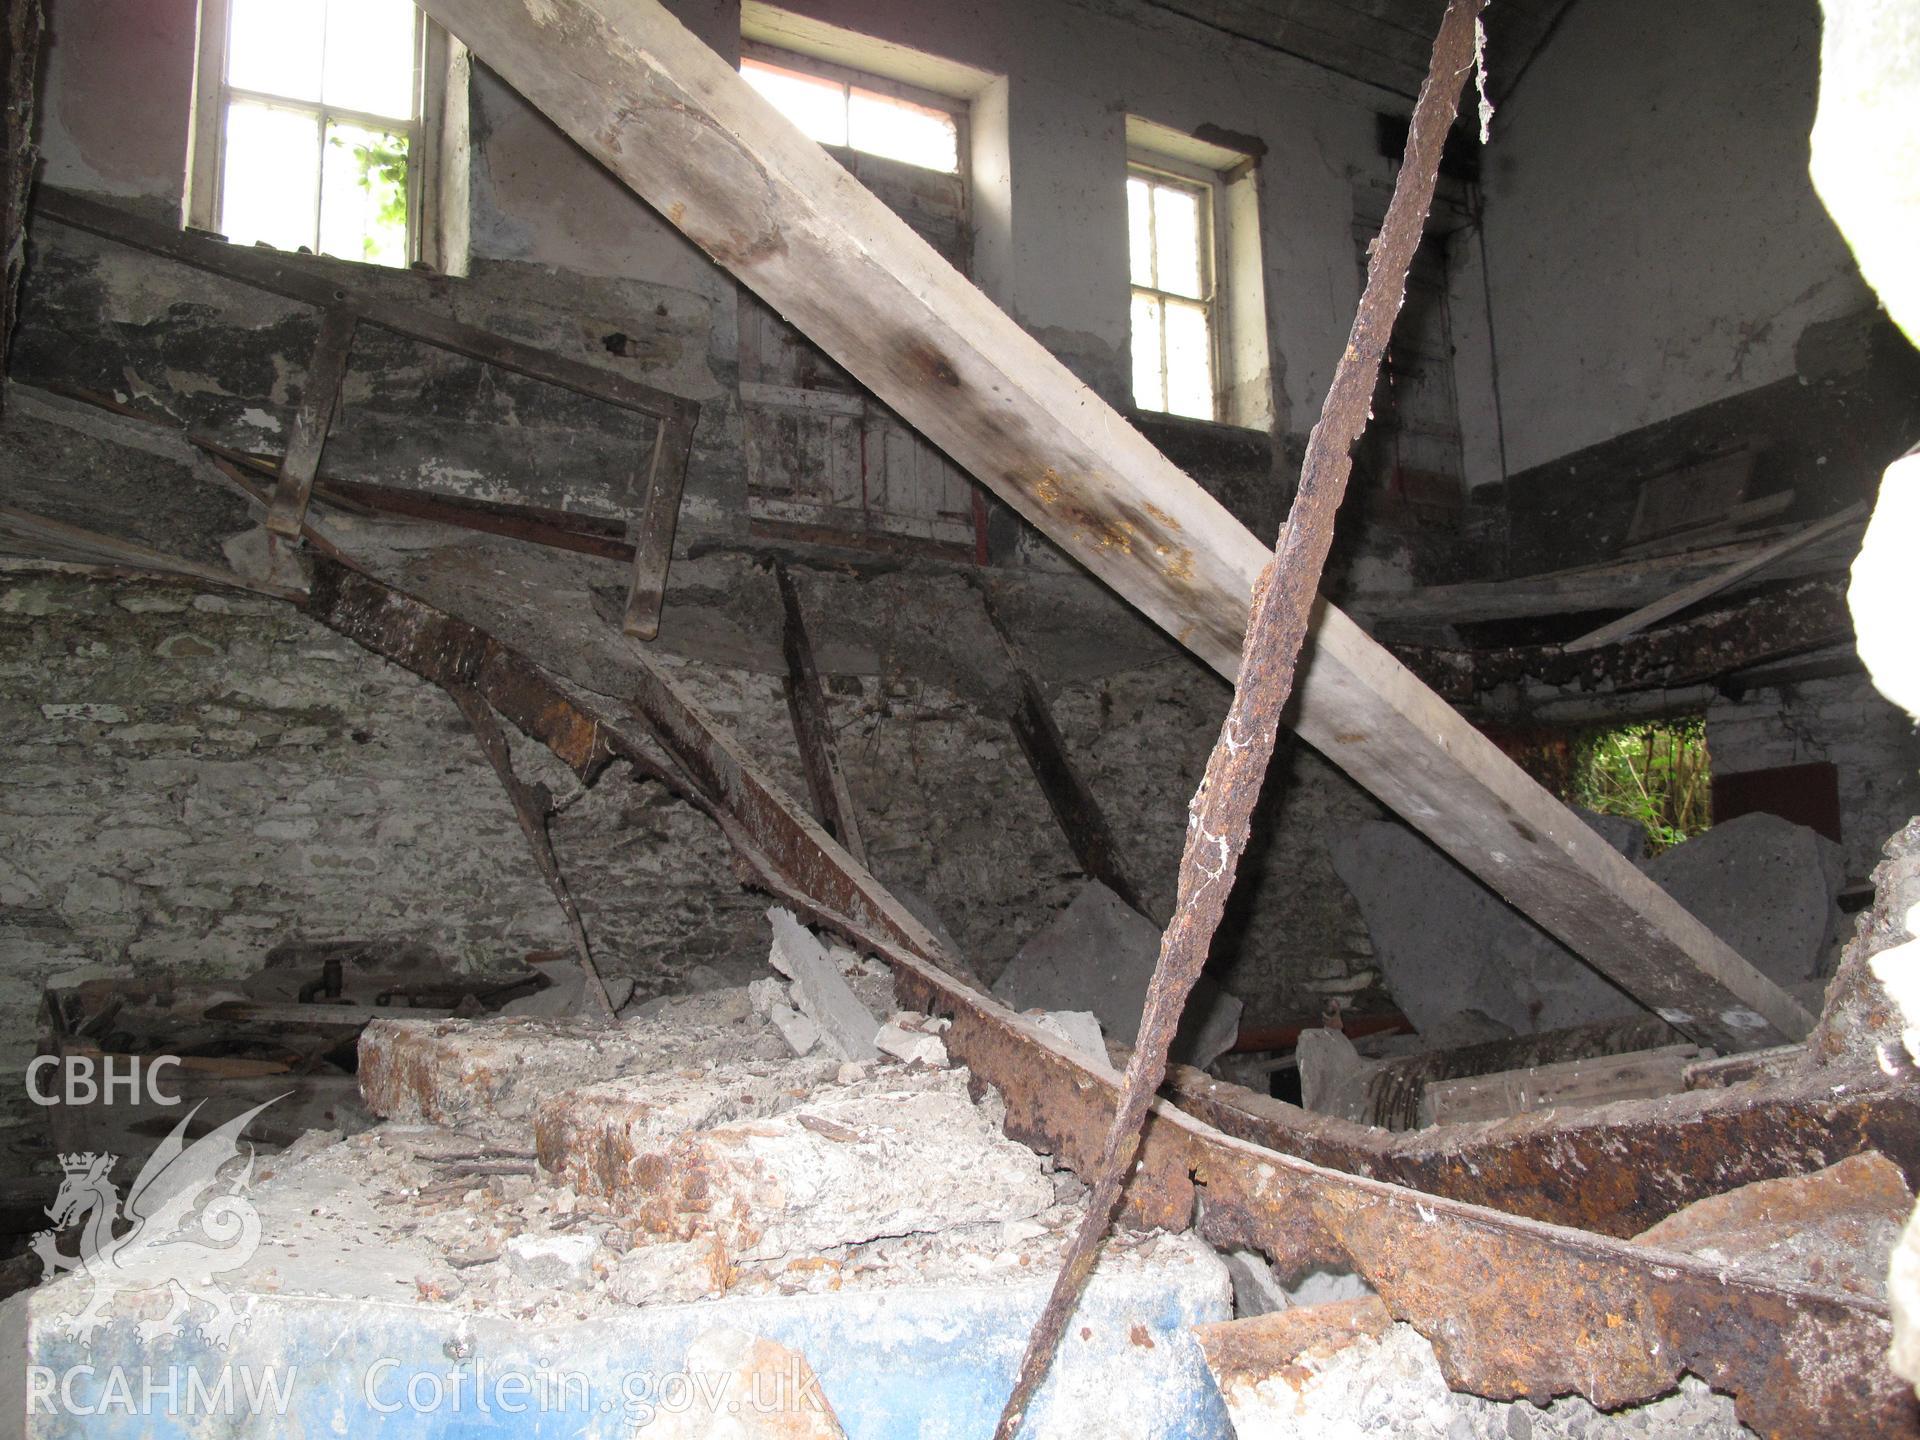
670 118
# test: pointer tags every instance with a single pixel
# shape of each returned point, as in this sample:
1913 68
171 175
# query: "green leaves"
1657 773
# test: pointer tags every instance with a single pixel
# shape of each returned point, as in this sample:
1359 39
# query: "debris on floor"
1345 1369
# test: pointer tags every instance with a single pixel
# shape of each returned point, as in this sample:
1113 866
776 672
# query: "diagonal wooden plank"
675 122
326 375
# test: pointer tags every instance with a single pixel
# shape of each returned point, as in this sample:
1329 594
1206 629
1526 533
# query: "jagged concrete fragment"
796 1029
902 1153
1081 1030
1764 885
1098 955
611 1138
553 1262
1255 1290
668 1272
1446 943
904 1038
819 990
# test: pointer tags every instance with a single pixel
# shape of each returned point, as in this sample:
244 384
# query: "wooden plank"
319 403
74 539
1713 584
1074 807
328 285
1569 1085
1613 586
813 726
654 523
676 123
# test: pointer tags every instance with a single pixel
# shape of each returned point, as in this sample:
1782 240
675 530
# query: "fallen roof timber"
1514 1307
674 121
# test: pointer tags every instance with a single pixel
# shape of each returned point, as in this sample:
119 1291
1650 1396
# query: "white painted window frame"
436 64
1166 170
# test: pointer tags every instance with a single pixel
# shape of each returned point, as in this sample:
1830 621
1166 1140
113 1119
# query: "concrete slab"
1098 955
1764 885
1445 943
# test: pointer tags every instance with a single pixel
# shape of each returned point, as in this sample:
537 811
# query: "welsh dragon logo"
146 1242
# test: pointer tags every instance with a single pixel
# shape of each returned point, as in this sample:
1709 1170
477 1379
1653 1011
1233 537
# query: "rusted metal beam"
1074 807
1220 815
1615 1169
813 725
1514 1306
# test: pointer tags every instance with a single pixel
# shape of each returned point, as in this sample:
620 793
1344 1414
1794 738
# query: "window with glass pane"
1170 250
321 127
835 110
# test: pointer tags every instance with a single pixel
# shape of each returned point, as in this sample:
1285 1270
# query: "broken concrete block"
1098 954
1081 1030
668 1272
1834 1229
903 1153
800 1033
610 1139
752 1388
765 993
1764 885
910 1043
553 1262
1256 1291
1446 943
820 991
1344 1370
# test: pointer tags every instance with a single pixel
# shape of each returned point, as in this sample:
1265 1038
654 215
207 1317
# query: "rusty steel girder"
1514 1307
1615 1169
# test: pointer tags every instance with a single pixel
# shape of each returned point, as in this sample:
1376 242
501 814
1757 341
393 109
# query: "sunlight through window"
321 112
841 113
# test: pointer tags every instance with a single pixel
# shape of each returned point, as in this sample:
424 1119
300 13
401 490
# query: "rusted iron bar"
319 403
813 726
532 806
1081 820
1615 1169
1798 1361
1220 815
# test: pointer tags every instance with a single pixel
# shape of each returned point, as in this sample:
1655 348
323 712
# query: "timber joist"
1514 1306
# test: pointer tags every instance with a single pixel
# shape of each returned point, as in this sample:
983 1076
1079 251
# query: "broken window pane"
1189 360
818 107
277 47
1140 230
1149 379
902 130
363 195
370 56
271 179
